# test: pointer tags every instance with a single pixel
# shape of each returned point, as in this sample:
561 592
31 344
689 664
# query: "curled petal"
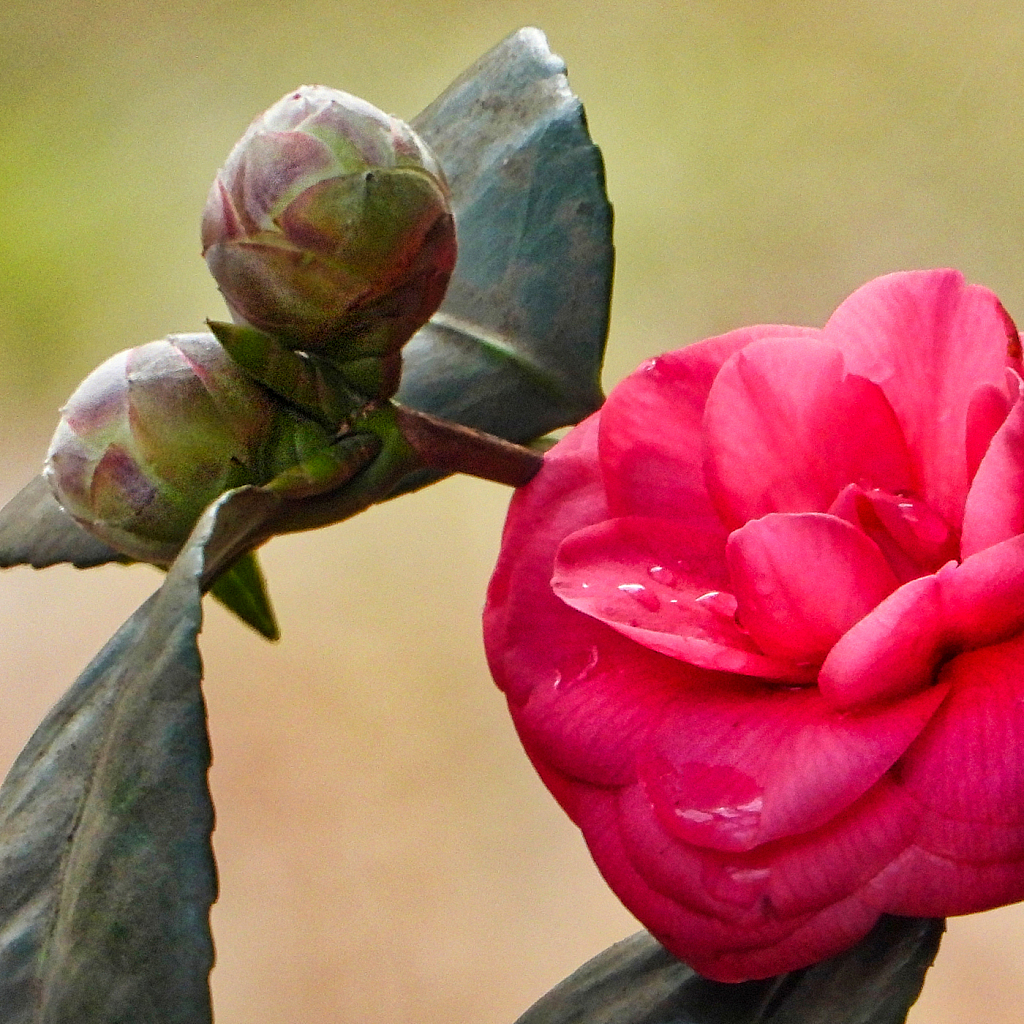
986 413
719 950
786 428
836 928
660 472
662 585
995 503
801 581
921 884
897 649
913 539
960 767
928 339
787 879
734 766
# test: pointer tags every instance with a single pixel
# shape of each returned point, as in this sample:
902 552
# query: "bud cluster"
328 229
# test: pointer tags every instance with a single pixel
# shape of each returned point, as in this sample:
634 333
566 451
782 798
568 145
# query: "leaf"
106 865
517 345
105 820
35 530
243 590
637 981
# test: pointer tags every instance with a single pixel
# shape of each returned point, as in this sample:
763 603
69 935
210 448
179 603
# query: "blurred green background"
385 851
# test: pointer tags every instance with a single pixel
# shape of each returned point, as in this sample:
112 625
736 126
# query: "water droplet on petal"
740 886
662 574
585 672
718 601
641 595
578 668
715 806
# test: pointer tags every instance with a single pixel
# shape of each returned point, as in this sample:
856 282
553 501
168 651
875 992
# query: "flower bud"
329 227
151 437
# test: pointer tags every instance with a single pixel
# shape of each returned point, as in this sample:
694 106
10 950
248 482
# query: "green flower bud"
152 436
329 227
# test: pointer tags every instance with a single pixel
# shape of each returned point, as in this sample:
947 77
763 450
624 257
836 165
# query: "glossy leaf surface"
517 345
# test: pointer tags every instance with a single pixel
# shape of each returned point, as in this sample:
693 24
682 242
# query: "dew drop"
718 601
742 887
716 806
579 668
641 595
662 574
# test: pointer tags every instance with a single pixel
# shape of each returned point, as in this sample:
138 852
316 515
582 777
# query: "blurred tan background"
385 851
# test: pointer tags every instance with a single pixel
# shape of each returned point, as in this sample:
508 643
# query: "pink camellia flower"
760 623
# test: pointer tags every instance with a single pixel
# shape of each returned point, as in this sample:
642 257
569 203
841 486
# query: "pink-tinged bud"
151 437
329 227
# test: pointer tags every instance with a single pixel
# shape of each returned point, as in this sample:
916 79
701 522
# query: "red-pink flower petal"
591 710
986 413
683 927
661 472
897 648
525 625
921 884
663 586
733 765
802 580
928 339
960 765
718 949
785 880
786 428
995 503
824 935
914 540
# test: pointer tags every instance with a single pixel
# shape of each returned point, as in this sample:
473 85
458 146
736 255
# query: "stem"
411 441
453 448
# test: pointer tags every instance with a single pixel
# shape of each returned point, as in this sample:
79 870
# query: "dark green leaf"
105 820
637 981
106 866
517 345
243 590
36 531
